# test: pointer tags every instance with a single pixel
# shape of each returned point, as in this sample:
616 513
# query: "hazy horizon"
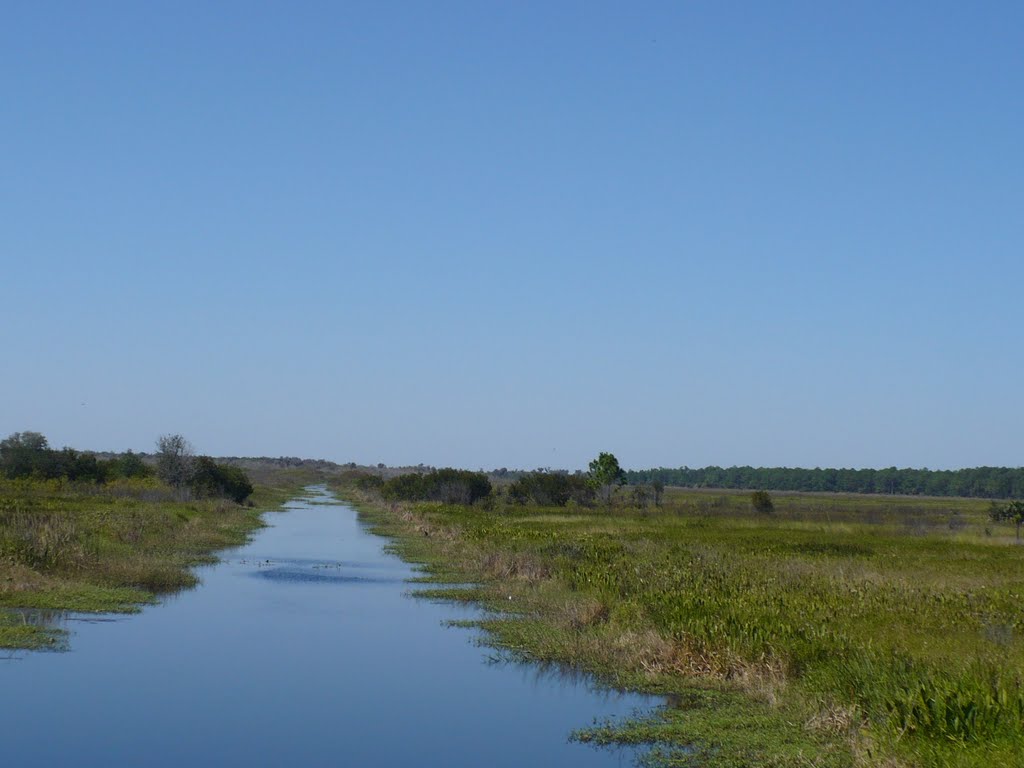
485 236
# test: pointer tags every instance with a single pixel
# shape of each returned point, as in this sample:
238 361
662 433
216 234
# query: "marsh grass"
70 547
854 630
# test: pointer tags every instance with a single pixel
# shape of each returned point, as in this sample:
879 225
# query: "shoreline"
95 550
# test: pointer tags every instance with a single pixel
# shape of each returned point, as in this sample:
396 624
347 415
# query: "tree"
606 476
130 464
174 460
24 454
1011 512
29 441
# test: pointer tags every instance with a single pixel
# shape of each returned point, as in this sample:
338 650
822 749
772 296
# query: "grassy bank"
879 631
99 548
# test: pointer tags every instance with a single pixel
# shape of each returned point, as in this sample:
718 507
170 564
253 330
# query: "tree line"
458 486
979 482
28 455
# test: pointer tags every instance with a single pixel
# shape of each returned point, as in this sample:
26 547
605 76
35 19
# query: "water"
301 648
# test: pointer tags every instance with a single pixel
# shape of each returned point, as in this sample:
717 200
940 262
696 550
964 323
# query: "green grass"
854 630
67 547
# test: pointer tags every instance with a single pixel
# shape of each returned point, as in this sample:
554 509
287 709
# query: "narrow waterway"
302 648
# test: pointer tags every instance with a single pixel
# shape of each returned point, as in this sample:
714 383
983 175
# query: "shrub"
762 502
364 481
219 480
130 465
550 489
451 486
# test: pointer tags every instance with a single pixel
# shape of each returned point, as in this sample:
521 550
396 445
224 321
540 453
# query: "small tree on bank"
175 460
606 476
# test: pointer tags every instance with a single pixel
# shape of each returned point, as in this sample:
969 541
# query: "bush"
762 502
130 465
211 479
364 481
451 486
551 489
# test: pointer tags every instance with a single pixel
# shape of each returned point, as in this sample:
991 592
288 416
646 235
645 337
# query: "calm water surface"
300 649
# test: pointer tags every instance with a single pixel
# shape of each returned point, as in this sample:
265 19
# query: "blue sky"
517 234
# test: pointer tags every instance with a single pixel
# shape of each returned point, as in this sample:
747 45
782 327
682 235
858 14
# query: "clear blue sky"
516 234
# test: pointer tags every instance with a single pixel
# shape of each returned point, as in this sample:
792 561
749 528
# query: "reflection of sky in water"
301 648
321 572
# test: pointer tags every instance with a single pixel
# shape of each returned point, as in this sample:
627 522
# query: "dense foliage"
28 454
210 479
605 475
980 482
551 489
451 486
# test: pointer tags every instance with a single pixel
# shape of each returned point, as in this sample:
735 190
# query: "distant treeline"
981 482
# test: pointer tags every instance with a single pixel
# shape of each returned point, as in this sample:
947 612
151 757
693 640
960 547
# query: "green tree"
606 476
24 454
129 464
1011 512
31 441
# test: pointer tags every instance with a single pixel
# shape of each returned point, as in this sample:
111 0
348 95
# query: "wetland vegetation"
109 540
810 629
791 629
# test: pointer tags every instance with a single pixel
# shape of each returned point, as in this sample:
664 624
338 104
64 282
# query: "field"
835 631
97 548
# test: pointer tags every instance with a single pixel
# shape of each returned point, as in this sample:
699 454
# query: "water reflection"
319 572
